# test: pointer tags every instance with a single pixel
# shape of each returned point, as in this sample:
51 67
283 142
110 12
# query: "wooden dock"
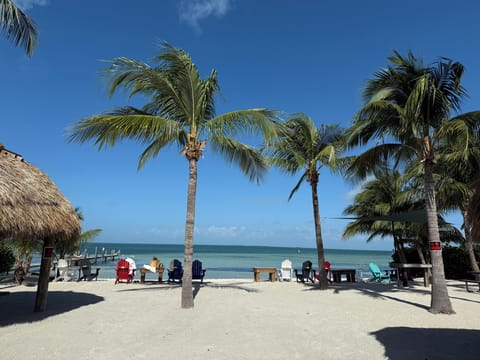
103 257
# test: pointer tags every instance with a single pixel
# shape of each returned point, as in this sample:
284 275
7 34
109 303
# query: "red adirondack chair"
123 271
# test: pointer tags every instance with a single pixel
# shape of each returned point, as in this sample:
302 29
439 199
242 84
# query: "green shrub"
7 257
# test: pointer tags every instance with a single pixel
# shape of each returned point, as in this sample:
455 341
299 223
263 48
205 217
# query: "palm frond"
299 183
250 161
17 26
244 122
123 123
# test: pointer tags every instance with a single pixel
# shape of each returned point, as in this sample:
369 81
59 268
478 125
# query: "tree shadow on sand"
17 307
196 286
384 291
433 344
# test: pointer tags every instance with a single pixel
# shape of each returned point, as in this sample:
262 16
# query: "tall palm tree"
180 110
461 168
406 103
17 26
304 147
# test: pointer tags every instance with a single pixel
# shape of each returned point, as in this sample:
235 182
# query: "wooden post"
44 277
103 255
96 254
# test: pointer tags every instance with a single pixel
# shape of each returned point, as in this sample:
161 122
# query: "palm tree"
378 199
391 205
474 211
461 168
180 110
304 147
406 103
17 26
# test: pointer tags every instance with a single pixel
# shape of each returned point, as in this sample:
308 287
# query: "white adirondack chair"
286 270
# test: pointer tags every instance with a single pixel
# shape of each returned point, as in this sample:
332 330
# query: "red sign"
48 252
435 245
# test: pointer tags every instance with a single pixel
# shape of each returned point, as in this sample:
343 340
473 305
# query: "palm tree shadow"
374 290
17 307
423 343
235 286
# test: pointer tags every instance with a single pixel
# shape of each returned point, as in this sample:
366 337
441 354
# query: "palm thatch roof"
31 206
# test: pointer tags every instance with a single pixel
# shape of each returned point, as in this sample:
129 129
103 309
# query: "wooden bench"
473 282
271 273
159 270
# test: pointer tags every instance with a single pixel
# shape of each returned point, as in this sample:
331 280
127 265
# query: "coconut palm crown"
180 110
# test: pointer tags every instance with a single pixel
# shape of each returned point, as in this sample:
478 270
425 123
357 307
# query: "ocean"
233 261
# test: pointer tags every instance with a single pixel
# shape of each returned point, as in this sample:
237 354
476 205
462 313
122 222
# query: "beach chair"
62 270
123 271
307 273
197 272
328 273
286 270
379 275
86 268
132 268
175 271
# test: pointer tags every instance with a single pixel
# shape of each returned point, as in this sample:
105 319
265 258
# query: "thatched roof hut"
32 207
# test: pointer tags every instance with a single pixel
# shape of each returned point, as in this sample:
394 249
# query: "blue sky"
294 56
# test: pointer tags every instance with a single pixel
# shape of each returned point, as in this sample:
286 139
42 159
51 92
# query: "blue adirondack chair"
175 271
379 275
197 272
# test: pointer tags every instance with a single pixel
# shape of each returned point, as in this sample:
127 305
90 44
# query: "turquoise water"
231 262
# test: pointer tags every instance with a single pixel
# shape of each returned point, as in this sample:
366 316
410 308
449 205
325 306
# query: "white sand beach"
237 319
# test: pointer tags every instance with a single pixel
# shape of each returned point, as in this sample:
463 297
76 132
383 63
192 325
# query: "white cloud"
225 231
28 4
193 11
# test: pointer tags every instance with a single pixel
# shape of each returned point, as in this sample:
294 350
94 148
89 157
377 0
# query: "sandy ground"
237 319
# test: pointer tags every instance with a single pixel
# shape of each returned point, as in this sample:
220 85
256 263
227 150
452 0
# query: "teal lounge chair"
379 275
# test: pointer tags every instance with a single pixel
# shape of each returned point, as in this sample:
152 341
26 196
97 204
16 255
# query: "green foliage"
456 262
7 257
17 26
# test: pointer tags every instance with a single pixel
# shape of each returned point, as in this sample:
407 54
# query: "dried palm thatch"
31 206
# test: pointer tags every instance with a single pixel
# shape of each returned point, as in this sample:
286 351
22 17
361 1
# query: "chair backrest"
123 268
86 267
122 264
196 268
62 264
306 268
375 270
176 269
286 269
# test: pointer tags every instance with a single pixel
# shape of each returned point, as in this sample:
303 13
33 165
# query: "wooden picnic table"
425 268
337 274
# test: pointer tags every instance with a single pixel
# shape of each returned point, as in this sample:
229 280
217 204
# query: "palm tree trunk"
421 256
43 279
187 291
440 301
322 275
469 242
